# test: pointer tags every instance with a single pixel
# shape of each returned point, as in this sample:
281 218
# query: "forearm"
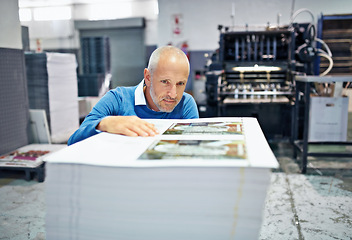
86 130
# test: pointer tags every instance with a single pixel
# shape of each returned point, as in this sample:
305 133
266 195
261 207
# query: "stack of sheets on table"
188 184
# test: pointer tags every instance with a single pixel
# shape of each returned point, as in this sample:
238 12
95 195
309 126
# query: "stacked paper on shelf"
15 153
52 86
200 179
29 156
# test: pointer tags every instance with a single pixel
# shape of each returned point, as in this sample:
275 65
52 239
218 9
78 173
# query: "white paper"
328 119
107 149
63 96
9 160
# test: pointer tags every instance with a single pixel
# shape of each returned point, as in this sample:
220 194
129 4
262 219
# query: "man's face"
167 86
166 94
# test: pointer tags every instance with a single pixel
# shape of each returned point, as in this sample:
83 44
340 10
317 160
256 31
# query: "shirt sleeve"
105 107
190 108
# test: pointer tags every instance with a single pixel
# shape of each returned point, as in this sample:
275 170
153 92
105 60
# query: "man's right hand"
127 125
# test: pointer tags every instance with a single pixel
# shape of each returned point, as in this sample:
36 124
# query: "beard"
158 101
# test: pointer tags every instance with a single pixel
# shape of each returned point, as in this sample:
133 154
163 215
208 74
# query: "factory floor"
316 205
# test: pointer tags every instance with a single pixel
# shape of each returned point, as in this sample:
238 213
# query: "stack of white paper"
28 156
29 160
106 187
52 86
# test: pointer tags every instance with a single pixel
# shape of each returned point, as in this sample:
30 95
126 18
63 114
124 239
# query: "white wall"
53 34
201 17
10 27
142 8
61 34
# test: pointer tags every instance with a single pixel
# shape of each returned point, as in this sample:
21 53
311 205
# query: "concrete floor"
317 205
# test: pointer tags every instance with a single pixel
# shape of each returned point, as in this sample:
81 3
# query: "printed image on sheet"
196 149
218 128
29 158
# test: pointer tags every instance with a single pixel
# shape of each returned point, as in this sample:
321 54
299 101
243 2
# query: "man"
160 95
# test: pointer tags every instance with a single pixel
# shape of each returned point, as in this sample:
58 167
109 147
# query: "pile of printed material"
200 179
29 156
52 86
16 152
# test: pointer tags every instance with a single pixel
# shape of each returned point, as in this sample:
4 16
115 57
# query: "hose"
331 63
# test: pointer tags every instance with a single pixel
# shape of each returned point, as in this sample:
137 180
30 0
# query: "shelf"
302 144
299 145
324 79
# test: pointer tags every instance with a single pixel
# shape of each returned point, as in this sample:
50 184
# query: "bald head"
166 53
166 78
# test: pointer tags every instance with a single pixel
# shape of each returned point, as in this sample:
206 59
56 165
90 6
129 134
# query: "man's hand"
127 125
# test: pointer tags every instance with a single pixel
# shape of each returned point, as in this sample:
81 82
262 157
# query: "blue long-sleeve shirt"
130 101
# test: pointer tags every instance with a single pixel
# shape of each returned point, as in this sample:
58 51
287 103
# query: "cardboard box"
328 119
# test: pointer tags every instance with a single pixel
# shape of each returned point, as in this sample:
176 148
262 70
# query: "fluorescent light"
110 11
256 68
25 14
52 13
156 7
43 3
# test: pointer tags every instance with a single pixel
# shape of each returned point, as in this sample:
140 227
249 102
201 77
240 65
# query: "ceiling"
52 3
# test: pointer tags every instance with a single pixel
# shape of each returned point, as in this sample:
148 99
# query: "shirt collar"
139 98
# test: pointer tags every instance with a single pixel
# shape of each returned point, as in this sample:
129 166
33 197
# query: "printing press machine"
252 75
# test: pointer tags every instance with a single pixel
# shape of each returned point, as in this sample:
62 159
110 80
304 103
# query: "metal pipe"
236 49
274 48
261 47
255 47
248 48
267 48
